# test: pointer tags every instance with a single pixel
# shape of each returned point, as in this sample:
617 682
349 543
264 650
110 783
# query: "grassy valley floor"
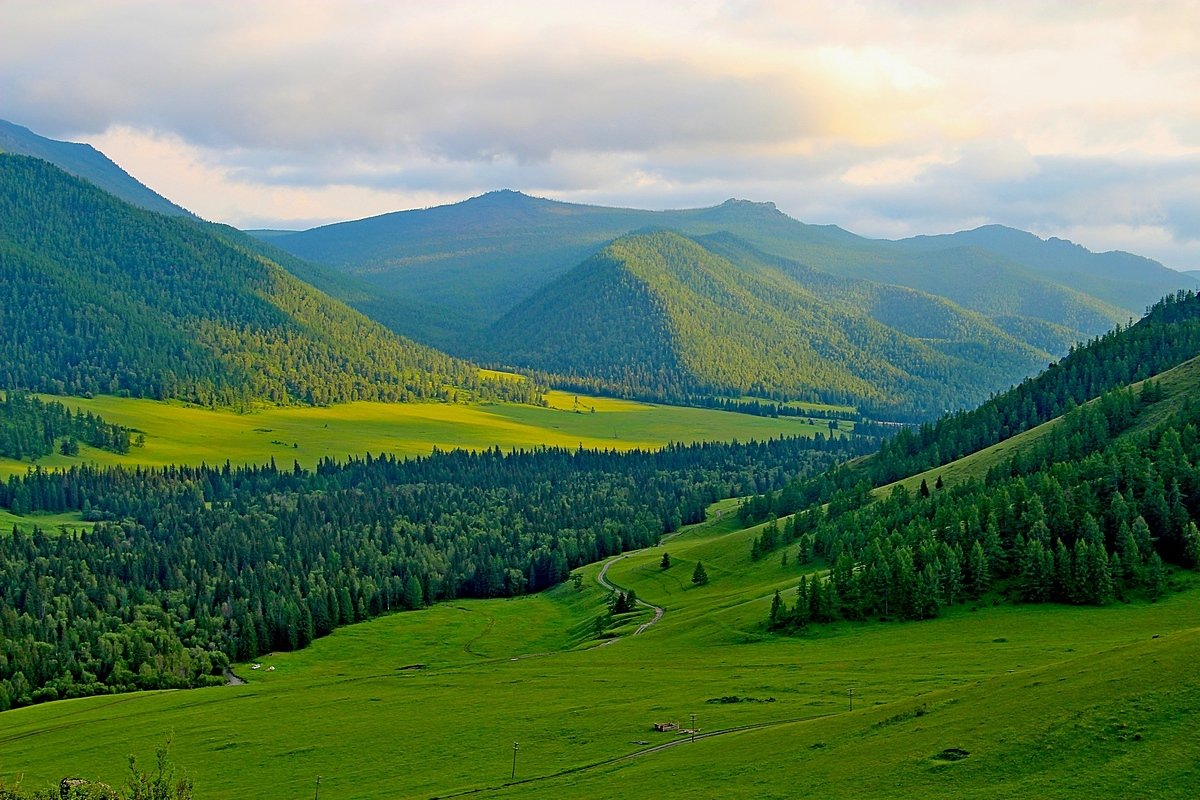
181 434
987 701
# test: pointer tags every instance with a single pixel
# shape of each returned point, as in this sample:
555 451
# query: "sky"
1072 119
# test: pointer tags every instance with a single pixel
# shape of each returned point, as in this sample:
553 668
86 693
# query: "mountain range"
736 299
483 256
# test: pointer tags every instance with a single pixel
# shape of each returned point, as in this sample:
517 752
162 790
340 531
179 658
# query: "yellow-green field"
181 434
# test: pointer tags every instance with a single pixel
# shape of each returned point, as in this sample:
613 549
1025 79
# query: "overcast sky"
1080 120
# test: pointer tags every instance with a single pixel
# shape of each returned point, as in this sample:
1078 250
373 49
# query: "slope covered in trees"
88 163
189 568
100 296
661 315
483 256
1166 337
1088 514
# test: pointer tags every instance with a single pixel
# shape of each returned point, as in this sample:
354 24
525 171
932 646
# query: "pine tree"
666 561
773 621
979 579
700 574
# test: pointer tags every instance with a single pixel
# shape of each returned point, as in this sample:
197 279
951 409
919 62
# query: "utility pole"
514 771
851 698
317 793
693 727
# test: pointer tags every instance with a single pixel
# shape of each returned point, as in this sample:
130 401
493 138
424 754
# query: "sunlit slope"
100 296
1179 385
663 315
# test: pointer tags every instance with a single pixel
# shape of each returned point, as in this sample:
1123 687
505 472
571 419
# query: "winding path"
602 579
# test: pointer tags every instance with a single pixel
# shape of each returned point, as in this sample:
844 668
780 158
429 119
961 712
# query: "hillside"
88 163
1121 279
662 315
102 297
485 255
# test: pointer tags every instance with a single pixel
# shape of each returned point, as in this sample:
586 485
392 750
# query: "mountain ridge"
86 162
660 314
103 296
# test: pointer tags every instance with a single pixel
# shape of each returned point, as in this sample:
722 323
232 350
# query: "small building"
663 727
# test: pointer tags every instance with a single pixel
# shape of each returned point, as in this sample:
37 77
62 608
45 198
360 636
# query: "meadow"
429 703
176 433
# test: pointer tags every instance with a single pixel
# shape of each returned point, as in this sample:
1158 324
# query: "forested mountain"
85 161
483 256
1086 510
1124 280
100 296
191 568
661 315
1088 513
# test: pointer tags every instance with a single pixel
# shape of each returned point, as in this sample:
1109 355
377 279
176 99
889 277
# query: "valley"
462 501
440 695
178 433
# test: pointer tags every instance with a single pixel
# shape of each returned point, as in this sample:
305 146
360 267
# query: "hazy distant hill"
662 315
85 161
1125 280
100 296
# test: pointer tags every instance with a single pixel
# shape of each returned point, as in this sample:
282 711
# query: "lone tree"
699 574
666 561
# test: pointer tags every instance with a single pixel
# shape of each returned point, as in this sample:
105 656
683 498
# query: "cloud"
888 117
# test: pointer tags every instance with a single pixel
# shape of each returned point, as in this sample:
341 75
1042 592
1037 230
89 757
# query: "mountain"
1127 281
85 161
658 314
1092 493
472 262
97 295
1166 338
475 260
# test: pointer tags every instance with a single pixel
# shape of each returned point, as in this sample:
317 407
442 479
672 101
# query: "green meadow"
986 701
182 434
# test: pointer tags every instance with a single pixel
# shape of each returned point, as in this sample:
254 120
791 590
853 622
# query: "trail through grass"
428 703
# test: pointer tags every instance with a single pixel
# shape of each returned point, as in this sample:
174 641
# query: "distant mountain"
477 259
85 161
100 296
658 314
471 262
1127 281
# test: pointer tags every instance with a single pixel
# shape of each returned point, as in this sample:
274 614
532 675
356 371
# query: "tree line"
1167 336
32 428
1084 516
190 568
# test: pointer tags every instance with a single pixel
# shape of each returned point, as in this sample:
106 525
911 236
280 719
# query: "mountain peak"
735 203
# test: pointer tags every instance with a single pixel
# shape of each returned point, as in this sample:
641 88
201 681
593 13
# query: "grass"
1046 700
1179 384
47 522
181 434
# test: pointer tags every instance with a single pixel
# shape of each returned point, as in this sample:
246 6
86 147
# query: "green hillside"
101 297
483 256
662 315
1077 696
88 163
